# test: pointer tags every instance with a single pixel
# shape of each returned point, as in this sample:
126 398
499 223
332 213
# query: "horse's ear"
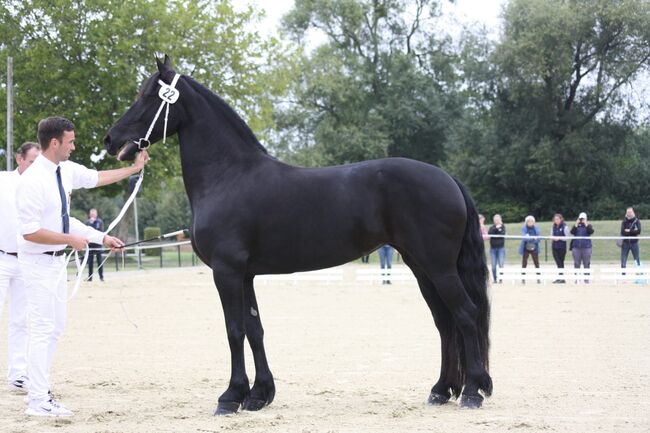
164 65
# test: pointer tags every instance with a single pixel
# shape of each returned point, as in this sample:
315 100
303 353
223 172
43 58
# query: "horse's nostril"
107 141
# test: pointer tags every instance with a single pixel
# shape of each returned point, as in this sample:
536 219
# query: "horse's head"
129 134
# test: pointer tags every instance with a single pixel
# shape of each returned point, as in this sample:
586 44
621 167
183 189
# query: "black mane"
231 115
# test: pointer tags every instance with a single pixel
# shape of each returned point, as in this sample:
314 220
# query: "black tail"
473 272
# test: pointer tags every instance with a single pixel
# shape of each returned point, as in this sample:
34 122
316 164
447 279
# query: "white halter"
169 95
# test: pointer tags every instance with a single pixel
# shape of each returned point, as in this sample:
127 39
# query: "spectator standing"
631 228
559 232
581 248
497 245
95 222
11 279
529 245
484 231
385 261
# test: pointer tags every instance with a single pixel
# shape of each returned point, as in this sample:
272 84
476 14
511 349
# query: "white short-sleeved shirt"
38 202
8 214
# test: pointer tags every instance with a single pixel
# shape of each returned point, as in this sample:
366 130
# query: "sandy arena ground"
147 352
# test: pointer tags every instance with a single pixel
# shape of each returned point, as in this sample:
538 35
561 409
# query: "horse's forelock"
148 86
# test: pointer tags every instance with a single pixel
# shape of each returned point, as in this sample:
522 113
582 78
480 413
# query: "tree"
86 60
555 127
376 88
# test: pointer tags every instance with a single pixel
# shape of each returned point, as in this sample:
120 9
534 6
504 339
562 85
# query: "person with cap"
11 280
46 228
581 248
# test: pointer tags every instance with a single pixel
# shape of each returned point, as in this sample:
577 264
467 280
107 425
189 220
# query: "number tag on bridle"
168 93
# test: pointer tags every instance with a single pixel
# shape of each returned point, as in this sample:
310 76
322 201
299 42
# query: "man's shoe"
49 407
19 385
49 395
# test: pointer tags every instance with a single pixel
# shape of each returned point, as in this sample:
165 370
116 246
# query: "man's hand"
141 159
113 243
77 242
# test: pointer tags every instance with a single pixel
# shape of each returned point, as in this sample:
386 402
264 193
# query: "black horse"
253 215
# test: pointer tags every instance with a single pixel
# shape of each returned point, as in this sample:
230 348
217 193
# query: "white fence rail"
572 275
508 274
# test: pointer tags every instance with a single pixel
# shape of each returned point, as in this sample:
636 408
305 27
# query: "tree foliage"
86 60
376 88
554 131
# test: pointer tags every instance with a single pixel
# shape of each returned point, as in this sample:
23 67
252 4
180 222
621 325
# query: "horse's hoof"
253 404
436 399
226 408
471 401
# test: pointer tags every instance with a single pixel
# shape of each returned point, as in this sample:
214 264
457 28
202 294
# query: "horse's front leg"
230 285
263 389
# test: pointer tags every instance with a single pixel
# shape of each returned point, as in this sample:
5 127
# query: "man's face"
92 214
64 148
629 213
23 163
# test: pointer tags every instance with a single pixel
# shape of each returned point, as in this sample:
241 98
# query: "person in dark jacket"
95 222
559 232
630 227
581 248
497 245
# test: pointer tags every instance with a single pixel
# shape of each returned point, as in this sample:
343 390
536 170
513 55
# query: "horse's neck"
213 145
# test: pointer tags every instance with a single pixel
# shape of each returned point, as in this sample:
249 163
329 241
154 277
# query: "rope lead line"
169 95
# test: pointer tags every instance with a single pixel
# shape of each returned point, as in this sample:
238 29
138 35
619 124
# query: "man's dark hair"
26 147
52 127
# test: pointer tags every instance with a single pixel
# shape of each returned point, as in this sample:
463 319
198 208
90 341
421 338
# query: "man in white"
11 282
43 203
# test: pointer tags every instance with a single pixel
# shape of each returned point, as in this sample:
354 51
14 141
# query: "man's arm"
48 237
106 177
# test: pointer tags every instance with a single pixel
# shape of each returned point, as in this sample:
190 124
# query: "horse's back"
297 219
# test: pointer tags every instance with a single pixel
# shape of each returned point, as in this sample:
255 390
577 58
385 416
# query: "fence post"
116 263
545 250
162 250
178 247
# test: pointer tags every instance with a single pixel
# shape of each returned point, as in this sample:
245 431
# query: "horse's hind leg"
263 389
465 313
449 381
231 291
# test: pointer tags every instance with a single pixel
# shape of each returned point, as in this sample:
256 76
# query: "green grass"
604 251
130 262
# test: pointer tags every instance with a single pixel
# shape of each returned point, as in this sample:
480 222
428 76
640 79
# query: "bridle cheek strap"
168 95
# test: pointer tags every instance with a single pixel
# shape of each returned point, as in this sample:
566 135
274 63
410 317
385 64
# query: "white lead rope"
169 95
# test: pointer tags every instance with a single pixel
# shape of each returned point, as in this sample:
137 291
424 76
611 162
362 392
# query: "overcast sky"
463 11
454 15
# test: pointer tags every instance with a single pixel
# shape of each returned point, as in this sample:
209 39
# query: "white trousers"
12 284
46 289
